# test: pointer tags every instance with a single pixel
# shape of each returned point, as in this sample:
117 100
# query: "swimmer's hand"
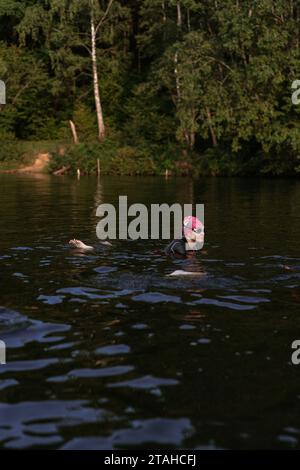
80 245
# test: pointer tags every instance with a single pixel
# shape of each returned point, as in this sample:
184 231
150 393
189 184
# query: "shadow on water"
109 350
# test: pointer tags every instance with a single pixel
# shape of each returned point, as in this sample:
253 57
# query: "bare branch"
81 44
21 91
104 16
221 62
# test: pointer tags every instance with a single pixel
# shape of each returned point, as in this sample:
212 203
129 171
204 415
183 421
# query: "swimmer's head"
193 229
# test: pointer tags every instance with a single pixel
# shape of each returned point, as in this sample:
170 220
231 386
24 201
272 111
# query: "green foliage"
85 120
207 83
113 160
149 122
220 162
131 161
84 157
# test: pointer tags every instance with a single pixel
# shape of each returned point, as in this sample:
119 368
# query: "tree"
77 26
209 78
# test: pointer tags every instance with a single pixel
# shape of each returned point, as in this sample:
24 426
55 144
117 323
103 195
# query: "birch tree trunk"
178 92
163 6
74 132
99 112
179 15
188 15
211 128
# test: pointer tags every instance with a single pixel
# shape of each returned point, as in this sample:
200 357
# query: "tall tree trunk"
297 22
190 138
178 90
212 131
100 120
188 15
179 15
163 6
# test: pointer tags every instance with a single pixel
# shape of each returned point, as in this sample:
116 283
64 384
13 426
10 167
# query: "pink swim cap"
192 224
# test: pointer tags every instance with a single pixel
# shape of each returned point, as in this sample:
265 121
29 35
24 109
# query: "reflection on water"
107 350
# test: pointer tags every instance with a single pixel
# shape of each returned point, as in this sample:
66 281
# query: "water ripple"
146 382
147 432
21 424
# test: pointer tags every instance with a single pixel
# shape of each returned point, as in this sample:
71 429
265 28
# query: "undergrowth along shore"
115 159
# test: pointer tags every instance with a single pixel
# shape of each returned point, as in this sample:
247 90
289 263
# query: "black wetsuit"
176 247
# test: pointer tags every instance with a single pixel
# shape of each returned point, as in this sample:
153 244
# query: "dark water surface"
106 350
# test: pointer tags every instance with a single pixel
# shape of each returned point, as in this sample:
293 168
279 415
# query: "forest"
199 87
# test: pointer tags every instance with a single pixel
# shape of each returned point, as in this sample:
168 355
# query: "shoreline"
110 158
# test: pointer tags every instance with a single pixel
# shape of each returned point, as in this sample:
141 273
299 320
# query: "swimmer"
192 239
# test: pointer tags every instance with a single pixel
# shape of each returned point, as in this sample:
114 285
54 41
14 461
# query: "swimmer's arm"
80 245
176 247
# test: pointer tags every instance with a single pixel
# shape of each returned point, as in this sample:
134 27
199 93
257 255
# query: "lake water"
107 351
